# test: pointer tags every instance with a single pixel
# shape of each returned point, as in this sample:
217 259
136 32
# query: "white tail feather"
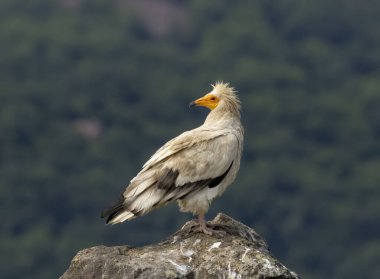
126 215
146 201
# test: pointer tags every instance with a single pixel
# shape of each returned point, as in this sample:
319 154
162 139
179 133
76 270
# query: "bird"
193 168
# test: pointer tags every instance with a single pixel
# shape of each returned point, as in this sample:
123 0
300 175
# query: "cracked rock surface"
238 253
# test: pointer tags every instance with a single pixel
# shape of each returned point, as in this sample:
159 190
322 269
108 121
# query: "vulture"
191 169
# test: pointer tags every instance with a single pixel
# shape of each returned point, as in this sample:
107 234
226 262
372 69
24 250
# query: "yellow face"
209 101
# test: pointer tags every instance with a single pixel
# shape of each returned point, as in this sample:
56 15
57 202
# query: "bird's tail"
144 194
128 208
117 212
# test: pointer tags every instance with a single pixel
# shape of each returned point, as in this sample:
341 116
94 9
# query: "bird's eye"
213 98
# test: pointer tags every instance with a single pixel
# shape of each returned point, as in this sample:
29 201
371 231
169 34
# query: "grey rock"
237 252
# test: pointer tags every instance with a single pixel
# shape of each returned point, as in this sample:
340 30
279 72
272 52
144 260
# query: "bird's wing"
206 159
184 141
192 161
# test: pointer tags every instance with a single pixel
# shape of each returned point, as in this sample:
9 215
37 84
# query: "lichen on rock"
237 253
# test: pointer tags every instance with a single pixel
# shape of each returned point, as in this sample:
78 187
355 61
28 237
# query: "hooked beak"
209 101
192 104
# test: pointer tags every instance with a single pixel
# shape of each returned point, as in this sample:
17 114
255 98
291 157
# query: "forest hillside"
89 89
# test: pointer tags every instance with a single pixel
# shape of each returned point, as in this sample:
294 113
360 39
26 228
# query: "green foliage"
307 73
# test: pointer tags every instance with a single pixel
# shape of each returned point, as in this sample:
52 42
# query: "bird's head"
222 93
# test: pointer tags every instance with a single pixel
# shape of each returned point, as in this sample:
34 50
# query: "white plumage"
193 168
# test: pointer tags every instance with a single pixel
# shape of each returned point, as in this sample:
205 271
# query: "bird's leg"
202 224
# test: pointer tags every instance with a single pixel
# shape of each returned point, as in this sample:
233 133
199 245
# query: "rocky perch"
239 253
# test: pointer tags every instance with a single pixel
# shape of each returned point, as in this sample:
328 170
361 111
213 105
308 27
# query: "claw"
206 228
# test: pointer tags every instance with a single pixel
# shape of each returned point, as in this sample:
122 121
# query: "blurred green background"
90 89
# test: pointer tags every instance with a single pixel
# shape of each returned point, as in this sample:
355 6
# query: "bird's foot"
209 229
205 230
